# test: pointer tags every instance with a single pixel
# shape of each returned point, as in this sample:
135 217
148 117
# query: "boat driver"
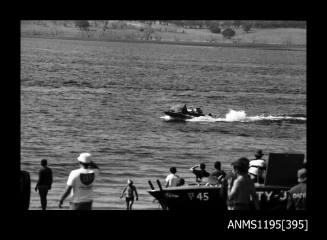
184 109
198 110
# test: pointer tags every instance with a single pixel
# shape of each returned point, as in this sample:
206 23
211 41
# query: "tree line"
226 28
238 23
216 23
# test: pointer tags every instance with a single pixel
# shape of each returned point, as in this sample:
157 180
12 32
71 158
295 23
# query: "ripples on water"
108 98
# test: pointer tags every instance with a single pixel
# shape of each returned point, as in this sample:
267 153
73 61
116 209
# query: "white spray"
240 116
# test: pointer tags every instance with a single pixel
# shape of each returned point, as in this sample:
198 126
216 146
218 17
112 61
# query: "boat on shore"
211 197
272 195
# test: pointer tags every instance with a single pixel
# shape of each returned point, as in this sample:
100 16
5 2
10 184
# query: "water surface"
108 98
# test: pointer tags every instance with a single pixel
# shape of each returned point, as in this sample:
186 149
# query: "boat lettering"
284 197
268 195
202 196
191 195
171 195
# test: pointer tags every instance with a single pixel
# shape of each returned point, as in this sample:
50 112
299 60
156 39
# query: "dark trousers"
43 192
81 206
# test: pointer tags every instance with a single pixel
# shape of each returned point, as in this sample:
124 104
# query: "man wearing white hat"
81 182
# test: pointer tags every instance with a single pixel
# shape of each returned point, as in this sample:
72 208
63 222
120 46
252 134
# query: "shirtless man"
242 187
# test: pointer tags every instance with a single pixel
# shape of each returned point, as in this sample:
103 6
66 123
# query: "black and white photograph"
163 115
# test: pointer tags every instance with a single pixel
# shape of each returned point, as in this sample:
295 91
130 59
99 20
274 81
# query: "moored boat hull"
271 198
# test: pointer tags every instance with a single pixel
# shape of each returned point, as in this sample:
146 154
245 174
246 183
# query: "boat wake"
240 116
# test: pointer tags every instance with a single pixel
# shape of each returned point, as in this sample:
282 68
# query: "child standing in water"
130 189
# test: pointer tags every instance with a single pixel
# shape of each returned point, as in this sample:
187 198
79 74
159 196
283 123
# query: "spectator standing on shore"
172 179
199 174
297 197
218 175
44 183
241 188
257 168
218 178
130 189
80 183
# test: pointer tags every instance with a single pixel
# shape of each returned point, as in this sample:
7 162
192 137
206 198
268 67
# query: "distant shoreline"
187 43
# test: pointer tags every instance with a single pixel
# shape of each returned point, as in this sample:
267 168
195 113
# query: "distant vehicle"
272 195
181 112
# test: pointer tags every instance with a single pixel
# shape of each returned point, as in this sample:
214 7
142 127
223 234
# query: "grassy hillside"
133 30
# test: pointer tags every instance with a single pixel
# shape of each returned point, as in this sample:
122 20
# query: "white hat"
84 158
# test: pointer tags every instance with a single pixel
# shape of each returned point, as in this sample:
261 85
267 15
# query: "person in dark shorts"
129 191
44 183
297 199
199 174
241 187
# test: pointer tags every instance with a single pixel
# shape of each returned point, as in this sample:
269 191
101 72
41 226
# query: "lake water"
108 98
